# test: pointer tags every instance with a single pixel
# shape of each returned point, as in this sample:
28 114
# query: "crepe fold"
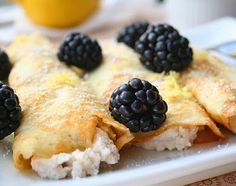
213 83
60 112
121 64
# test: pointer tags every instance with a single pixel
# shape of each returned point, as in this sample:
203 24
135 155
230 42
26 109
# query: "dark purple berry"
80 50
131 33
162 48
138 105
9 111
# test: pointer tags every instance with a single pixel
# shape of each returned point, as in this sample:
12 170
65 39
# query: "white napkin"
213 33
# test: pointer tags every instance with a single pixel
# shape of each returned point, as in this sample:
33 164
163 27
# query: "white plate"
140 167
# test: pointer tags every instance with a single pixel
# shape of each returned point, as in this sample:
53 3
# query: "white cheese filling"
78 163
174 138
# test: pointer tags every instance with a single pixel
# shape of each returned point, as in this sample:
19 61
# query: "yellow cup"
59 13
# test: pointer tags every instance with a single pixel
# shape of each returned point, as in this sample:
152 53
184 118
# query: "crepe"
60 112
121 64
213 83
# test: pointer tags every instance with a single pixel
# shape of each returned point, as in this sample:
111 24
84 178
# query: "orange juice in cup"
59 13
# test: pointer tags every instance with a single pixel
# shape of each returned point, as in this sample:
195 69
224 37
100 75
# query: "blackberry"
131 33
138 105
80 50
9 111
162 48
5 66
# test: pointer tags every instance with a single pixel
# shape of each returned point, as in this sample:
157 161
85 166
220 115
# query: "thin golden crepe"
213 83
121 64
60 114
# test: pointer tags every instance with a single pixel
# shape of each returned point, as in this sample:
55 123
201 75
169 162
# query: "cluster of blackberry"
161 47
136 104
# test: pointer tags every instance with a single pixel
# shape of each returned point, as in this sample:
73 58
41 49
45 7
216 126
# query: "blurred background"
103 18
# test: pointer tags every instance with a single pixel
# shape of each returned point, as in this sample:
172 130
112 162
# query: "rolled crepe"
122 63
60 113
213 83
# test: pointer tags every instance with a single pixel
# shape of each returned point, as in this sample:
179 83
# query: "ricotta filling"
78 163
174 138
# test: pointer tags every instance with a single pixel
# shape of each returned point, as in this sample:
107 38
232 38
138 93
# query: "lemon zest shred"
62 78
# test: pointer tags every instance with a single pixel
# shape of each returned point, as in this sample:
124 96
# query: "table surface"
224 180
153 15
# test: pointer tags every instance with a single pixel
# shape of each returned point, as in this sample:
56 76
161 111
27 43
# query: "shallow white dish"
140 167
